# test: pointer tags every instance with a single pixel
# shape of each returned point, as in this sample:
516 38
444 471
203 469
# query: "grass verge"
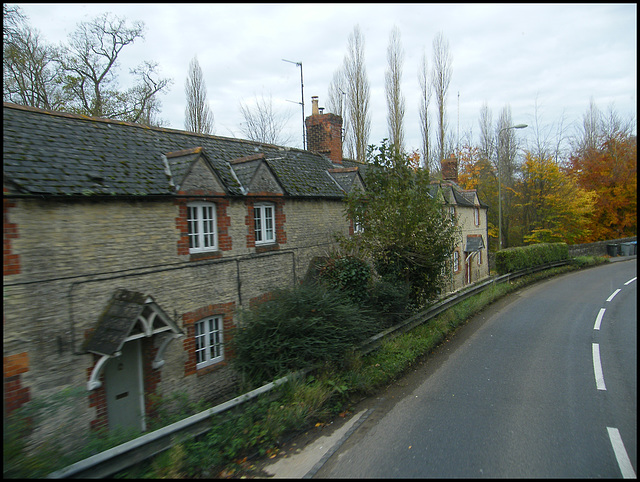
259 427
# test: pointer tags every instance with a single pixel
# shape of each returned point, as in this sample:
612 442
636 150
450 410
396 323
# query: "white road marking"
599 319
597 367
613 294
631 281
621 454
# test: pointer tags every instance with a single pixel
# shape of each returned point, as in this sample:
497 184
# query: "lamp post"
518 126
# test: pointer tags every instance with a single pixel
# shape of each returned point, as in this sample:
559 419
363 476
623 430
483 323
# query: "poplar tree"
198 116
358 95
441 78
425 121
395 99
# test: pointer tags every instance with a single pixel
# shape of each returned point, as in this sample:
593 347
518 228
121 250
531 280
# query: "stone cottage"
128 250
470 258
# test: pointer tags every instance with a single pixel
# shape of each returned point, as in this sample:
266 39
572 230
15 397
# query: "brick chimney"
324 132
450 168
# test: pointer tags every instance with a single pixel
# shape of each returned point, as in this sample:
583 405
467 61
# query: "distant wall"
598 248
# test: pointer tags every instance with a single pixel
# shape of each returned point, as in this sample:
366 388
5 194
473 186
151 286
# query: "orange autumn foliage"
611 172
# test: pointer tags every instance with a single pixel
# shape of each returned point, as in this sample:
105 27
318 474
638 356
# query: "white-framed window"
476 216
209 348
479 257
264 223
456 261
201 221
452 214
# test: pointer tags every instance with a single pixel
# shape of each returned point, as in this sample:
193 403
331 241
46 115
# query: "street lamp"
518 126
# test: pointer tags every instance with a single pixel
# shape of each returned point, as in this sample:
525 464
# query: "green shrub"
389 302
522 257
348 274
296 329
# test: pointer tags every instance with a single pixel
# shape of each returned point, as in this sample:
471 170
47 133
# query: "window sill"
211 368
265 248
205 255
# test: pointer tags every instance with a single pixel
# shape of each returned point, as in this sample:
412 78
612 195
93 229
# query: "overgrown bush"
295 329
349 274
389 302
522 257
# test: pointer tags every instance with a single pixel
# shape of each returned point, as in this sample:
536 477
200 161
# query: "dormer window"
201 221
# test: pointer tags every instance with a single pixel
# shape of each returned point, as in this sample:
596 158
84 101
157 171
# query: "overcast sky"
553 55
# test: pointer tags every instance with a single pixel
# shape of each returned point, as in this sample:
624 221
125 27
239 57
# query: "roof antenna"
299 64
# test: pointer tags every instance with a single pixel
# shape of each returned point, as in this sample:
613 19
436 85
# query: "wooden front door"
124 388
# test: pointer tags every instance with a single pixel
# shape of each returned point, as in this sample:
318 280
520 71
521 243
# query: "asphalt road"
541 384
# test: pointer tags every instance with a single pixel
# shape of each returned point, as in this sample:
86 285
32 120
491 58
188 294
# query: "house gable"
264 181
349 178
191 172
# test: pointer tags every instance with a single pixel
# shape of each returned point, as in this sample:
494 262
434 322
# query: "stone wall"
596 249
68 257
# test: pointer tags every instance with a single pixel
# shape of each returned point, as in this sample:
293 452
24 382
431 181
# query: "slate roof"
59 154
454 194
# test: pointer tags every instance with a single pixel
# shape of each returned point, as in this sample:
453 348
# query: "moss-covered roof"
59 154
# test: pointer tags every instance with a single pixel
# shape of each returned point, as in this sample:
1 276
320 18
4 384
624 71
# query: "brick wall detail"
15 395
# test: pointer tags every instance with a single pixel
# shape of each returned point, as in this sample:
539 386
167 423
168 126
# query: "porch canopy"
128 316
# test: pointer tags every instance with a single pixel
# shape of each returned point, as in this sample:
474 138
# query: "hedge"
514 259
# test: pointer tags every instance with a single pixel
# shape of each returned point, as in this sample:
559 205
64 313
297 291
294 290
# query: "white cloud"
502 54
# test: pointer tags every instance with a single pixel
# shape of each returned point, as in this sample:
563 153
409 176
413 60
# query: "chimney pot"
314 105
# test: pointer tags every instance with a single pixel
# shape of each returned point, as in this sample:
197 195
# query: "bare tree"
30 74
198 116
548 139
357 97
425 121
90 60
487 139
262 123
395 99
336 102
508 168
598 127
441 78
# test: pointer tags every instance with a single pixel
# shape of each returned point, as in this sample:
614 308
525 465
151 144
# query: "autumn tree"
404 229
395 99
610 171
357 109
198 116
553 208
